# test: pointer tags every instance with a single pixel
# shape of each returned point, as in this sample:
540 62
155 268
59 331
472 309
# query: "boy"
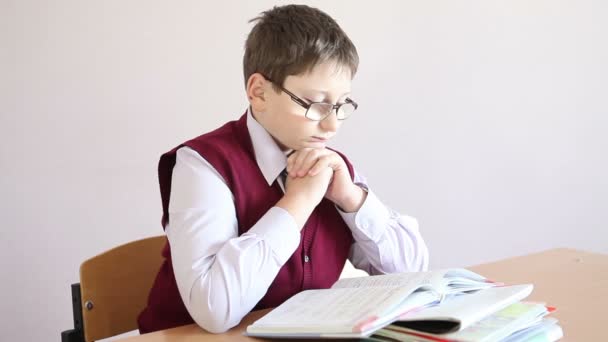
260 209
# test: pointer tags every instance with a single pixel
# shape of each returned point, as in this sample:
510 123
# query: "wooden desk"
575 282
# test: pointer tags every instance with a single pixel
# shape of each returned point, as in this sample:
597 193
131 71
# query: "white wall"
486 120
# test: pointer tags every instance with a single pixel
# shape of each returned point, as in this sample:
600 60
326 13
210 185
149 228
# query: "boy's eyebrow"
326 93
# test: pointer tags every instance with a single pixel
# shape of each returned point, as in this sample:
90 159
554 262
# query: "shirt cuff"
279 229
370 221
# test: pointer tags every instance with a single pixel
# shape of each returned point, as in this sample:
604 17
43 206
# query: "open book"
356 307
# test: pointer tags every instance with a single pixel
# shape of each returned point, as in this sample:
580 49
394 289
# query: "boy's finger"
315 169
309 162
306 163
298 162
321 163
291 162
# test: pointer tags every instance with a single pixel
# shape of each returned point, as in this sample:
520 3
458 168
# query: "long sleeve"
385 241
221 276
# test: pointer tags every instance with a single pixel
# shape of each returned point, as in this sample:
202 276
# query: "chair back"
115 286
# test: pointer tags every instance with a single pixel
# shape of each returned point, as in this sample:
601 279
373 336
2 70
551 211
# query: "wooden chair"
113 290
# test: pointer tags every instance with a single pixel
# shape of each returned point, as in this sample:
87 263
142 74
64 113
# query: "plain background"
484 119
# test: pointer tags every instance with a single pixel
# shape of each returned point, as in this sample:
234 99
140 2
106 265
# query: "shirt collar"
270 158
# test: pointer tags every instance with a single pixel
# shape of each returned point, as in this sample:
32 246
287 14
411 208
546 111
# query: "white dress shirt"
221 276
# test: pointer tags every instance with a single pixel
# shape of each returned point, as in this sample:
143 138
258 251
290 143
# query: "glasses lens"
345 110
318 111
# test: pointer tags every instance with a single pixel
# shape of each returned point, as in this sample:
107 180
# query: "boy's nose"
330 123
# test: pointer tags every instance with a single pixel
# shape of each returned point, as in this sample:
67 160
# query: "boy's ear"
256 86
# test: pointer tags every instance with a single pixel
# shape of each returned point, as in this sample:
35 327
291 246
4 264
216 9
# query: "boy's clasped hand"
321 172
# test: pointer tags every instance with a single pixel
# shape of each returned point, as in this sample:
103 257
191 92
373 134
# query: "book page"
545 330
445 282
410 280
503 323
334 307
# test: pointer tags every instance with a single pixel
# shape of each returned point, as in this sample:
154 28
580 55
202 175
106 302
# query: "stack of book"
444 305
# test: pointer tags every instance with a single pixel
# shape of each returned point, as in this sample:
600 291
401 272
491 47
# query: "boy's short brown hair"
292 39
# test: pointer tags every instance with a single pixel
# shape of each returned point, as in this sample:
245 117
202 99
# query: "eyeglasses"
318 111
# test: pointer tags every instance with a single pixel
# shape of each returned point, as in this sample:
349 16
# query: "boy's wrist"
354 200
298 205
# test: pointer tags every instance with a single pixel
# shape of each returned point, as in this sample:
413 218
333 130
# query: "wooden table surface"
574 281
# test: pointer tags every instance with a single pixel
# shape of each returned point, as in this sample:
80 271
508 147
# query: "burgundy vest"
325 238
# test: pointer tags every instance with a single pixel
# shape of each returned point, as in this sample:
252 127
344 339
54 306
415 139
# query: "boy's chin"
316 144
307 144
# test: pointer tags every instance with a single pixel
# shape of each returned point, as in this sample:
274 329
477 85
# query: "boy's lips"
319 139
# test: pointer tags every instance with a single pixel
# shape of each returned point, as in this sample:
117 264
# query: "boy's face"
285 119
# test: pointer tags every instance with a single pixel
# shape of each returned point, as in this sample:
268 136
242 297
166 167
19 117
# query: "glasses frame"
335 107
